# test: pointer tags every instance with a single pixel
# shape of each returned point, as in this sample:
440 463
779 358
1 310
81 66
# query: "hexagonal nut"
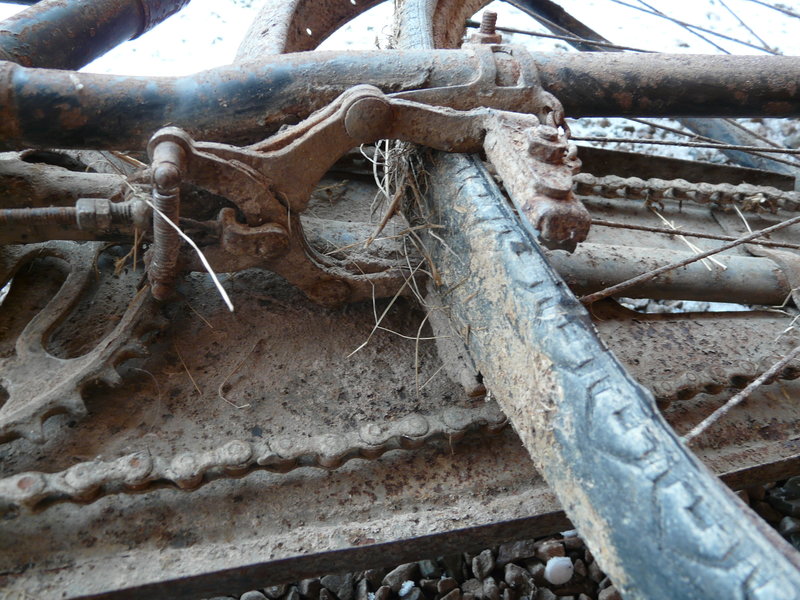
544 144
93 214
485 38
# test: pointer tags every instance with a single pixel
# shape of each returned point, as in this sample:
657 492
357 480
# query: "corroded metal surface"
68 34
242 102
31 397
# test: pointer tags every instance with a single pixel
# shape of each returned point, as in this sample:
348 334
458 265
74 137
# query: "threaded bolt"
488 22
54 215
168 159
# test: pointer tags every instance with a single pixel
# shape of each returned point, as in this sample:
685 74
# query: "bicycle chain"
745 195
140 472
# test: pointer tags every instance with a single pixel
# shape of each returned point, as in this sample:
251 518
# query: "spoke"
634 281
702 138
566 38
723 410
652 11
681 232
686 144
746 26
780 9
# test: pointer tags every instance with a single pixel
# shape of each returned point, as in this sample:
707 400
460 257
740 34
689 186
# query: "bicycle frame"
246 103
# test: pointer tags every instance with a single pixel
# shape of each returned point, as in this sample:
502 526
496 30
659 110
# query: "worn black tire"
659 523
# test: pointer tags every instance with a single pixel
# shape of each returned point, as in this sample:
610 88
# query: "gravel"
559 570
557 566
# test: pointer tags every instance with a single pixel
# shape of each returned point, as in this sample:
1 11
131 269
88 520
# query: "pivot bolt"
488 23
487 33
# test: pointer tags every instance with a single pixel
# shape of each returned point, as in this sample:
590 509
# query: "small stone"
292 594
536 569
788 525
362 590
584 597
609 593
573 544
340 585
545 594
491 591
383 593
326 594
454 594
515 551
473 587
274 592
414 593
399 575
580 568
520 580
467 597
595 574
454 566
548 549
483 564
767 512
558 570
588 557
374 577
309 588
446 585
794 540
756 493
253 595
429 586
606 582
429 569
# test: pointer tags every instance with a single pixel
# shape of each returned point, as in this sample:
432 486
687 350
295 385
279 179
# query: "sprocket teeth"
134 349
110 377
74 406
33 431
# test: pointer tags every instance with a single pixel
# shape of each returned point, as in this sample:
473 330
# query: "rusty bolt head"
546 132
551 152
166 177
554 183
367 118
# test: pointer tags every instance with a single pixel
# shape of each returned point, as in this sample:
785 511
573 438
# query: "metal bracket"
271 182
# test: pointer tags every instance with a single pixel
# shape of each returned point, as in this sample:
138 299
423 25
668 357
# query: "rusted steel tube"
246 102
676 85
238 103
69 34
747 280
57 215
